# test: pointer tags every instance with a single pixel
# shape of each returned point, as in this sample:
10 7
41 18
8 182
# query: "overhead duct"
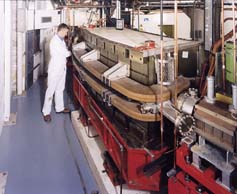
166 4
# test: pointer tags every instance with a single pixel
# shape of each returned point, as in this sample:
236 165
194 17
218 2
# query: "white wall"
5 61
36 4
45 37
29 14
1 65
7 40
14 21
199 24
151 22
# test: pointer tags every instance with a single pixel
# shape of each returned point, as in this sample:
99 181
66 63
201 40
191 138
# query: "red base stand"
206 178
129 161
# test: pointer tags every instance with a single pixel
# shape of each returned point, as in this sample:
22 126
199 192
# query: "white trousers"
56 85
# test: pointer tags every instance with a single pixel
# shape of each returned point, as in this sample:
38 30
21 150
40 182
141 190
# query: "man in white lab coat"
56 73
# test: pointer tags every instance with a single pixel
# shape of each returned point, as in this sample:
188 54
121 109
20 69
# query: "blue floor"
42 158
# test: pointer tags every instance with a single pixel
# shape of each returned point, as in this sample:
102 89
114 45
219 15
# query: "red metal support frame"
207 177
179 185
132 160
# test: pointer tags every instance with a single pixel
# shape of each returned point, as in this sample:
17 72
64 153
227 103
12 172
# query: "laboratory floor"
43 158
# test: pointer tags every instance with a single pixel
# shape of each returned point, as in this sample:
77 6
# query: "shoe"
47 118
65 110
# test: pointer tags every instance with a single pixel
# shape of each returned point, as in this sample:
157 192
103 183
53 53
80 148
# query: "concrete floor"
42 158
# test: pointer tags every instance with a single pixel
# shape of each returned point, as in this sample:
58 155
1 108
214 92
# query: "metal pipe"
85 6
228 3
148 151
138 17
234 42
233 106
19 59
210 87
223 43
68 18
176 72
118 9
229 18
214 50
161 74
193 24
170 4
227 157
133 7
234 96
176 50
230 9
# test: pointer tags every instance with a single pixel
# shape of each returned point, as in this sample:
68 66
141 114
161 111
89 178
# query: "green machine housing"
229 47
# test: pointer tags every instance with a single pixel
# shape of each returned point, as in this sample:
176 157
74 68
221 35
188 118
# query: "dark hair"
62 26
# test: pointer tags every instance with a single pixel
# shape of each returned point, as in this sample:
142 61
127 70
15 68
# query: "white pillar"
7 60
19 63
234 96
210 98
118 9
210 87
1 66
20 60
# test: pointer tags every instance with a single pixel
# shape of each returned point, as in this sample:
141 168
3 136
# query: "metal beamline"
161 64
223 43
234 36
176 69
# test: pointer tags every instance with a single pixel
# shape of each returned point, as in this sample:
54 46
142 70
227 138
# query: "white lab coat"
56 75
